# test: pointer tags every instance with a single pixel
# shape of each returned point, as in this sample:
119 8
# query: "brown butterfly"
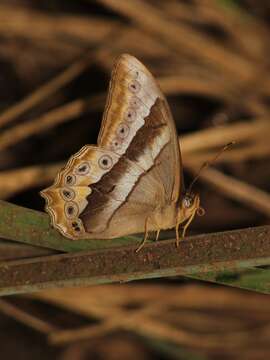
132 181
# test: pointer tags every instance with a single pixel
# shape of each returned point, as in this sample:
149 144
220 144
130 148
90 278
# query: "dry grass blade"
250 37
219 136
147 320
238 190
61 27
101 301
44 91
146 326
25 318
255 150
12 251
186 38
52 118
177 84
50 87
112 320
31 176
250 137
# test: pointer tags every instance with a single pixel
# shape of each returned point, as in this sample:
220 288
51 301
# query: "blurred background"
211 59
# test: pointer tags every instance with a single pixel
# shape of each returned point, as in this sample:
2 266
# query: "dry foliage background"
211 59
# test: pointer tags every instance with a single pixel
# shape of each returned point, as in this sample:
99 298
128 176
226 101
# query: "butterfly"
132 180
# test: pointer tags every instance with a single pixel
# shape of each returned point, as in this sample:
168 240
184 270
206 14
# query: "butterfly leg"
177 234
145 234
184 229
157 234
188 223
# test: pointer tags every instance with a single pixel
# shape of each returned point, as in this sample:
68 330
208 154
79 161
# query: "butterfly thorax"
169 216
165 217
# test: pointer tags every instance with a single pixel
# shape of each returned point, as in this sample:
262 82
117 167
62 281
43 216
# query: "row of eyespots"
83 169
105 162
72 211
71 208
68 194
123 129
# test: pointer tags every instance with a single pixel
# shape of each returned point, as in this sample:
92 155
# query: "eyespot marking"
130 115
135 73
83 168
122 131
116 144
105 162
134 102
71 209
134 86
76 226
67 194
70 179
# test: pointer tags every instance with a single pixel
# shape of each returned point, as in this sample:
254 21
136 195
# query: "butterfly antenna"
208 163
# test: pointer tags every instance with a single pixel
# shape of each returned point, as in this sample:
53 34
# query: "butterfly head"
189 206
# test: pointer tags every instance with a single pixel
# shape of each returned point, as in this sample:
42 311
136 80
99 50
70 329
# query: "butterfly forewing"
132 108
134 170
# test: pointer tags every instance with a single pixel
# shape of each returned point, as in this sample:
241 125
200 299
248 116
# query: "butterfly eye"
105 162
67 194
70 179
122 131
187 201
130 115
71 209
83 169
134 86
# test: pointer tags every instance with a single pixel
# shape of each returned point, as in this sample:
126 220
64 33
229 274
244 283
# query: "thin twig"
45 90
210 253
238 190
158 24
48 120
26 318
220 136
51 86
255 150
13 181
101 301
